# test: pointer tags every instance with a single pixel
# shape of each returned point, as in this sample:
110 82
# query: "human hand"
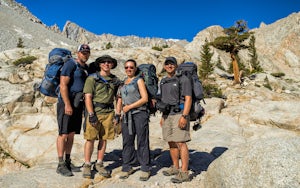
117 119
182 123
93 120
126 108
68 110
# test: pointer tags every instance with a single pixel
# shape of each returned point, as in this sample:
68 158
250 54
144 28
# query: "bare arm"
119 105
186 110
89 102
64 91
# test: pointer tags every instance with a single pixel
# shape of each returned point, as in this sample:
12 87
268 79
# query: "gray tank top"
130 92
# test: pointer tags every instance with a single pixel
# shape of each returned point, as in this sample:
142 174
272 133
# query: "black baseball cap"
172 60
83 48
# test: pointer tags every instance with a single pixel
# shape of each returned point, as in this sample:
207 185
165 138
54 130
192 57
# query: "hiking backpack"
189 69
148 73
50 82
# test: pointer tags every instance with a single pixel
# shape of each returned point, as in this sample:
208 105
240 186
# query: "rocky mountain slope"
250 139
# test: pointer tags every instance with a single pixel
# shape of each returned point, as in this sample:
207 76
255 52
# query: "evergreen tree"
108 46
20 43
233 43
254 63
219 64
207 66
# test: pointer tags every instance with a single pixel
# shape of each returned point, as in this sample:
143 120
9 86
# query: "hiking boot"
87 171
125 175
99 167
171 171
145 176
63 170
71 166
181 177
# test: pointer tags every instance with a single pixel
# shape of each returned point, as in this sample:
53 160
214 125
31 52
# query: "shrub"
157 48
20 43
108 46
24 60
267 84
211 90
278 74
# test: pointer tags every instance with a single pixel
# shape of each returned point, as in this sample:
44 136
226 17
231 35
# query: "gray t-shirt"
170 91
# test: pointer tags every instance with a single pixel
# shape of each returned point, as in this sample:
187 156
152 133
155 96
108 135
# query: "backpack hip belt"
104 105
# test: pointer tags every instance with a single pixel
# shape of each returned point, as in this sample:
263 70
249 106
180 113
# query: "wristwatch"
91 114
185 116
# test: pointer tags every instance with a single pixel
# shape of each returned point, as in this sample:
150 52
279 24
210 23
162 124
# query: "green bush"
267 83
24 60
211 90
108 46
157 48
20 43
278 74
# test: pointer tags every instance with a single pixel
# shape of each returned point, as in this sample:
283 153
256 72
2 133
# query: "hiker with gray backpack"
133 101
175 102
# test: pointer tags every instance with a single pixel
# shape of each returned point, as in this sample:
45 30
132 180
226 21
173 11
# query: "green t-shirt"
103 90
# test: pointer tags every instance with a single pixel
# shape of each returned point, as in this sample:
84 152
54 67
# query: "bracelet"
185 116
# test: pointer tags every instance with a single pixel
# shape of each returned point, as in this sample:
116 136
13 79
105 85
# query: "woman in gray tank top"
135 122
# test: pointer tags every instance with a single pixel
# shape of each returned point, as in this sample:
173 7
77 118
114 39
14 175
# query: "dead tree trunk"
235 67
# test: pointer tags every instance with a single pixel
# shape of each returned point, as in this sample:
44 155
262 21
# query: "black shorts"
68 124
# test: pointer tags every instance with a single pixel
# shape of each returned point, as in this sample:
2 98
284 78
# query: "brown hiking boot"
71 166
99 167
145 175
62 169
181 177
171 171
87 171
125 175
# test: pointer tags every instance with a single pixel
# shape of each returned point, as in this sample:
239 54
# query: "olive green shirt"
103 92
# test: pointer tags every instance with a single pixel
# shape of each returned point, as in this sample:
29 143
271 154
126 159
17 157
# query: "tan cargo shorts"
171 132
104 130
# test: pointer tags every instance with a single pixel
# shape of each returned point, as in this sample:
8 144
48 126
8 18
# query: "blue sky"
176 19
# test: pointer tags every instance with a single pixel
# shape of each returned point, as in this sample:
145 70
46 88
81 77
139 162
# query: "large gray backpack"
189 69
148 73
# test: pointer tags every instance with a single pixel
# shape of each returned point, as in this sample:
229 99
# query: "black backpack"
148 73
50 82
189 69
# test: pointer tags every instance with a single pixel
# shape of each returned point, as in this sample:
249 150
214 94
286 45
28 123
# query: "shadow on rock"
199 161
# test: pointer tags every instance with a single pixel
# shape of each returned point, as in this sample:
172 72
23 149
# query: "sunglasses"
169 63
85 52
108 62
129 67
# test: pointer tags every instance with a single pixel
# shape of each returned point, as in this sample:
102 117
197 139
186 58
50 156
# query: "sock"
99 161
60 159
68 157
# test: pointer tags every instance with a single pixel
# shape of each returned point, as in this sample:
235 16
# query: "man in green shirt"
100 90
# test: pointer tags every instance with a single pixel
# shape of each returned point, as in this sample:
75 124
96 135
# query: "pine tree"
254 63
207 66
219 64
20 43
233 43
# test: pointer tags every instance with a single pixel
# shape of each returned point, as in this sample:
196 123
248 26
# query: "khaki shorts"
104 130
171 132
